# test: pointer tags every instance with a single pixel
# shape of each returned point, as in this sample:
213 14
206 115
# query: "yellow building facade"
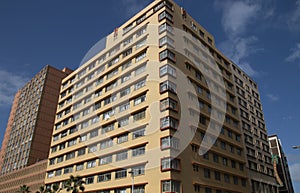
155 110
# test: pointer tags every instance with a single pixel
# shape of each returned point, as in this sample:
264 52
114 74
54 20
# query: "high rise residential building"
154 110
258 154
280 164
29 129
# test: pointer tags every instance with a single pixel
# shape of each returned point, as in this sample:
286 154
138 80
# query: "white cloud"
273 97
294 17
248 69
295 53
287 118
238 49
133 6
294 170
9 85
237 15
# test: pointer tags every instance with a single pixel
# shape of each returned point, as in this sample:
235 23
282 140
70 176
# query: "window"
83 138
206 173
235 180
99 81
70 155
96 119
141 19
167 69
85 124
139 189
64 134
139 100
104 177
139 84
108 128
170 163
105 144
91 164
223 145
73 130
60 159
94 133
127 41
244 182
53 149
123 122
168 103
122 138
169 122
85 112
124 92
138 151
121 156
127 52
92 148
105 160
68 170
106 115
208 190
217 176
58 172
169 142
195 168
226 178
111 86
138 133
113 61
89 180
164 15
72 142
170 186
79 167
216 158
165 27
166 54
121 174
138 170
112 73
206 156
142 30
167 86
120 190
62 146
197 187
50 174
166 40
140 44
139 116
140 57
55 137
140 70
225 161
51 162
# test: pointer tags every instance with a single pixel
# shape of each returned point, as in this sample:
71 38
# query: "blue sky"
262 36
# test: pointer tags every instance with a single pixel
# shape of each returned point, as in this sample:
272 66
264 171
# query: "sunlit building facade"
154 110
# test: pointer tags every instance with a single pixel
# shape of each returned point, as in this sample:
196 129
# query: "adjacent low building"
280 164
